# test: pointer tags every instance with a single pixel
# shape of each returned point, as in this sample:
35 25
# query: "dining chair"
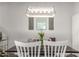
55 49
31 49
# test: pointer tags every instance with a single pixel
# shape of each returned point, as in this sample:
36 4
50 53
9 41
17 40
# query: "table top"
11 52
68 50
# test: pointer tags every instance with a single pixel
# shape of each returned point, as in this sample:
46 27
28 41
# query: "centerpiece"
41 36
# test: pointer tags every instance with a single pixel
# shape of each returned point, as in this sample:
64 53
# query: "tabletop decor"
41 36
0 36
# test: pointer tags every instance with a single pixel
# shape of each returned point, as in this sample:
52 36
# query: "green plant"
41 35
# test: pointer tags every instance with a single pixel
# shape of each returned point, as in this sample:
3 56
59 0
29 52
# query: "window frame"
34 20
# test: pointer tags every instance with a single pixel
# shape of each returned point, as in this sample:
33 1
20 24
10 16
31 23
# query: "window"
41 23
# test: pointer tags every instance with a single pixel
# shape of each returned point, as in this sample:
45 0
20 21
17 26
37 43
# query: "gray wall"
3 13
16 21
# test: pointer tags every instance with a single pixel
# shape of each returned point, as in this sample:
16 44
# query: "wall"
75 27
3 13
17 22
3 17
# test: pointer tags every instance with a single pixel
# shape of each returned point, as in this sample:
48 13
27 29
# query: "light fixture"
40 12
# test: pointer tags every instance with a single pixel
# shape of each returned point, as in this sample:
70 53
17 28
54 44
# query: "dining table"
12 51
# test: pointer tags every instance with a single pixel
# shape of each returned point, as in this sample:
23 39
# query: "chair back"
31 49
55 49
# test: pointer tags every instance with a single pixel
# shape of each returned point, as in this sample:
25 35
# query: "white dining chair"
55 49
31 49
